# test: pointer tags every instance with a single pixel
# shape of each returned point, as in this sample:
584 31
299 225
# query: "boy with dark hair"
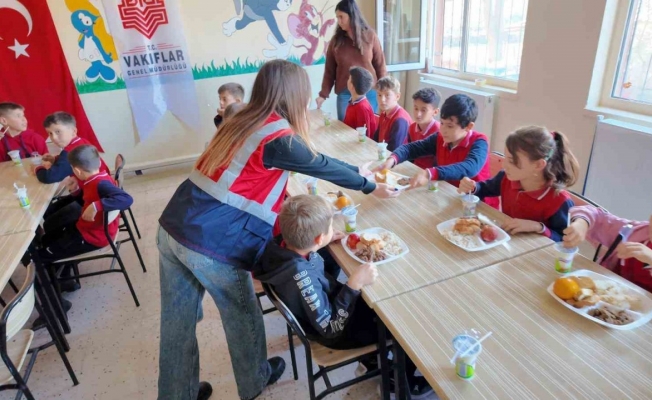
426 106
459 151
296 265
394 121
229 93
359 113
62 129
14 134
99 194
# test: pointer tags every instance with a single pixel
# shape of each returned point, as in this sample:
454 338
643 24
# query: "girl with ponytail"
538 166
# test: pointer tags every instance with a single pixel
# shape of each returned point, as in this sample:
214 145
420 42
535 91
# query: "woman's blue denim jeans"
345 96
185 276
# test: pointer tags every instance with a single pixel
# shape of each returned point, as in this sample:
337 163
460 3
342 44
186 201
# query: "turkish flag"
33 69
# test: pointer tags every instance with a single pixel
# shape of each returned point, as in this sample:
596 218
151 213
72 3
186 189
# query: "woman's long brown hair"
358 24
281 87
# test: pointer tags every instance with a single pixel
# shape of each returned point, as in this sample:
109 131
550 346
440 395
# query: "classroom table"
12 249
15 219
413 216
539 349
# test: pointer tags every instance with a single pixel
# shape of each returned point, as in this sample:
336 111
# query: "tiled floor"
114 344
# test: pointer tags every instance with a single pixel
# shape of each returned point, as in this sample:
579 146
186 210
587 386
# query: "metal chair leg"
292 355
13 286
124 272
131 214
133 240
311 375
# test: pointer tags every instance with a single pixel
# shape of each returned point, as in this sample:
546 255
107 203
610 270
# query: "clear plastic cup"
351 215
362 134
564 259
382 151
36 158
465 366
15 157
433 186
327 119
470 203
23 200
311 185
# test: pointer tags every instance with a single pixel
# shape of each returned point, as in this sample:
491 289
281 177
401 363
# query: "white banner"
154 59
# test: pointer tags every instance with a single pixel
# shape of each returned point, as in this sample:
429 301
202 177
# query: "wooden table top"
12 249
15 219
538 350
413 216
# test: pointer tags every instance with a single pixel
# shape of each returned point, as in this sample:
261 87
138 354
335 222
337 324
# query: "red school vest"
446 156
359 114
26 143
632 270
245 183
93 231
415 134
539 206
385 122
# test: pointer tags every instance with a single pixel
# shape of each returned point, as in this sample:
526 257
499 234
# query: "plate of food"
339 200
473 234
603 300
375 245
400 182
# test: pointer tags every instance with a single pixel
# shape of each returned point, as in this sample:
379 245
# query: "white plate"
392 180
642 312
502 238
332 200
376 231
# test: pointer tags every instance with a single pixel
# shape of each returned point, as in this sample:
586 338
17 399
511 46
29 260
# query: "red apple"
489 233
352 241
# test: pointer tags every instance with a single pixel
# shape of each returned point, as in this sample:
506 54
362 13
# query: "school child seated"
297 266
629 259
538 165
229 93
14 134
359 112
426 107
394 121
99 193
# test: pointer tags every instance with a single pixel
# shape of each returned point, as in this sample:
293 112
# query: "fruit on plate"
381 177
342 201
565 288
352 241
489 233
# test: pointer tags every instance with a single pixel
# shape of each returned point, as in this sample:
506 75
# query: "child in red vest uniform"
426 107
14 134
394 120
359 113
457 149
100 194
538 165
630 258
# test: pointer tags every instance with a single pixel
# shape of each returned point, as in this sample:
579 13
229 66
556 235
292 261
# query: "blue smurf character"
92 49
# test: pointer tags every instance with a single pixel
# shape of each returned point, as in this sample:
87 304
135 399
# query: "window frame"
462 75
614 58
380 32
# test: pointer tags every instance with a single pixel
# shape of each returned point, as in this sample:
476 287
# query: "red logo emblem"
145 16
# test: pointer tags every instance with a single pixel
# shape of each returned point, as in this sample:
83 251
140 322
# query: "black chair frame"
116 175
21 381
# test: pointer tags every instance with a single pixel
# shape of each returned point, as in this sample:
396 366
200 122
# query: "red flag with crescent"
33 67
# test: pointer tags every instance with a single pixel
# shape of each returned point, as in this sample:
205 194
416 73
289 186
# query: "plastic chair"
580 200
111 251
327 359
15 342
119 178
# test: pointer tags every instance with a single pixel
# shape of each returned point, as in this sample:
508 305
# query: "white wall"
561 38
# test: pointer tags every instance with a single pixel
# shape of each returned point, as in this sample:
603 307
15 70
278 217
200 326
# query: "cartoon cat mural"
95 44
309 26
248 11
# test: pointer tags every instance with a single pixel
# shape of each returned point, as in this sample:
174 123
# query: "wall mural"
298 31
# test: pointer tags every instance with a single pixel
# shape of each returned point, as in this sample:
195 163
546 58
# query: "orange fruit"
342 202
565 288
385 171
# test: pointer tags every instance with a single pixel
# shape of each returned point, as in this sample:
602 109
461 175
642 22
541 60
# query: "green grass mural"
237 67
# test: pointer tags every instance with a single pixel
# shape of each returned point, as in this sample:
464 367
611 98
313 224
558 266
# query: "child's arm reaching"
488 188
397 134
414 150
593 224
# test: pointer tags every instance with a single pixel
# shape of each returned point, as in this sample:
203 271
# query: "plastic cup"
36 158
350 214
382 151
465 366
362 134
23 200
564 259
311 184
15 157
327 119
470 203
433 186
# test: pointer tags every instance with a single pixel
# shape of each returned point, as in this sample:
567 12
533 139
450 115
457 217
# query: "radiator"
484 100
620 169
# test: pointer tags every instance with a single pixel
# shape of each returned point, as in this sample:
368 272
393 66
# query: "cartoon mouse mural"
261 10
95 44
309 25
